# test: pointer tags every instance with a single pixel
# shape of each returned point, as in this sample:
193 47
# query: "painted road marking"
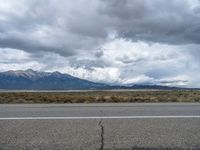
97 117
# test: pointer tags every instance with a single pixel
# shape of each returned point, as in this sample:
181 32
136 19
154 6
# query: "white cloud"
125 63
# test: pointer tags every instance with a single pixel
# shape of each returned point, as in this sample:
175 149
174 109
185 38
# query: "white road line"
98 117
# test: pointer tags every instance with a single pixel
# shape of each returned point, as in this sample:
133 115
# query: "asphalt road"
100 126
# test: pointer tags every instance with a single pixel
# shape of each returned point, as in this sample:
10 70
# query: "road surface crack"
102 134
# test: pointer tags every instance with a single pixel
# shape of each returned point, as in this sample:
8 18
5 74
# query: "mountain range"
35 80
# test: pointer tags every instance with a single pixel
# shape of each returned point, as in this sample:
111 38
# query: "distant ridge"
35 80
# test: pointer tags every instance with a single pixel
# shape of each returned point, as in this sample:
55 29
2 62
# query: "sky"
122 42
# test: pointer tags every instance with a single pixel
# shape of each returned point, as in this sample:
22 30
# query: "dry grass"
100 96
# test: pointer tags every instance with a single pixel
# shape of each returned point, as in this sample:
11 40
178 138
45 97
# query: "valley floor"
110 96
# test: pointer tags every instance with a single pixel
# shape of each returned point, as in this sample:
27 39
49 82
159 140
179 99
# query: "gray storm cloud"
69 27
172 22
56 26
